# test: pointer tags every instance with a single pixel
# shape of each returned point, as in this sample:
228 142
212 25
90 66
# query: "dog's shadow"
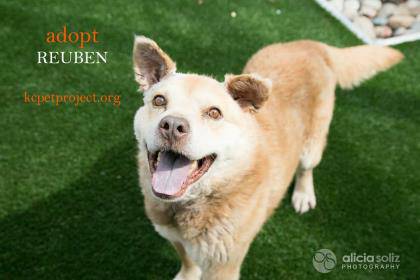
94 229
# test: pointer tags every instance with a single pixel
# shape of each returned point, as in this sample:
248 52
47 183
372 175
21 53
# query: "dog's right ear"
151 64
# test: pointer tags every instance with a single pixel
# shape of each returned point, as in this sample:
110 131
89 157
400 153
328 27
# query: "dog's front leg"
189 270
230 268
226 271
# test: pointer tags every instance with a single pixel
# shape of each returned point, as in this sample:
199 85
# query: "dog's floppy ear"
151 64
249 90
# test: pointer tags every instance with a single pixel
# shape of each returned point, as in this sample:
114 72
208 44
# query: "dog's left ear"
151 64
249 90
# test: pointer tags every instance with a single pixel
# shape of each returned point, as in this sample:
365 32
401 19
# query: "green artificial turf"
70 206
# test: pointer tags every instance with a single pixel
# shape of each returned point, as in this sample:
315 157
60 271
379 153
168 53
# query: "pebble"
365 25
411 4
374 4
387 10
415 27
400 31
415 11
351 7
401 21
380 21
368 11
383 31
402 10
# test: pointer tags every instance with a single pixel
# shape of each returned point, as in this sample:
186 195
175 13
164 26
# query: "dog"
216 158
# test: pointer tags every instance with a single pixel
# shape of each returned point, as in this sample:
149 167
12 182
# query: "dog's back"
296 117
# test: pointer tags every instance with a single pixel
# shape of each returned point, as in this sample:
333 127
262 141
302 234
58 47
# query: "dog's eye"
159 100
214 113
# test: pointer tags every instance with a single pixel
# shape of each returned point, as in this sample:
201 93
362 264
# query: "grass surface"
70 206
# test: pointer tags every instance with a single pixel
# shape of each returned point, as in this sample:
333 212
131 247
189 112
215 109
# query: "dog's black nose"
174 128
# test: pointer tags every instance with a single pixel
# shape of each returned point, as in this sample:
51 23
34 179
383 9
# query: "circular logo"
324 260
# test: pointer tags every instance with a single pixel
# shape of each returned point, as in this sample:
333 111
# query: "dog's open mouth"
172 172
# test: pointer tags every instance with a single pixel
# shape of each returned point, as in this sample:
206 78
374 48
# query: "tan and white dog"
215 158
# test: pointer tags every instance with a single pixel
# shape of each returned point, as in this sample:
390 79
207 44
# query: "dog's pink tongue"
171 172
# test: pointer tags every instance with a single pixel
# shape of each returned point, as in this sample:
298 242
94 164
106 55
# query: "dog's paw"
303 202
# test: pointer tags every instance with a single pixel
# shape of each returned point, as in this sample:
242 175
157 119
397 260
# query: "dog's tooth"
194 165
